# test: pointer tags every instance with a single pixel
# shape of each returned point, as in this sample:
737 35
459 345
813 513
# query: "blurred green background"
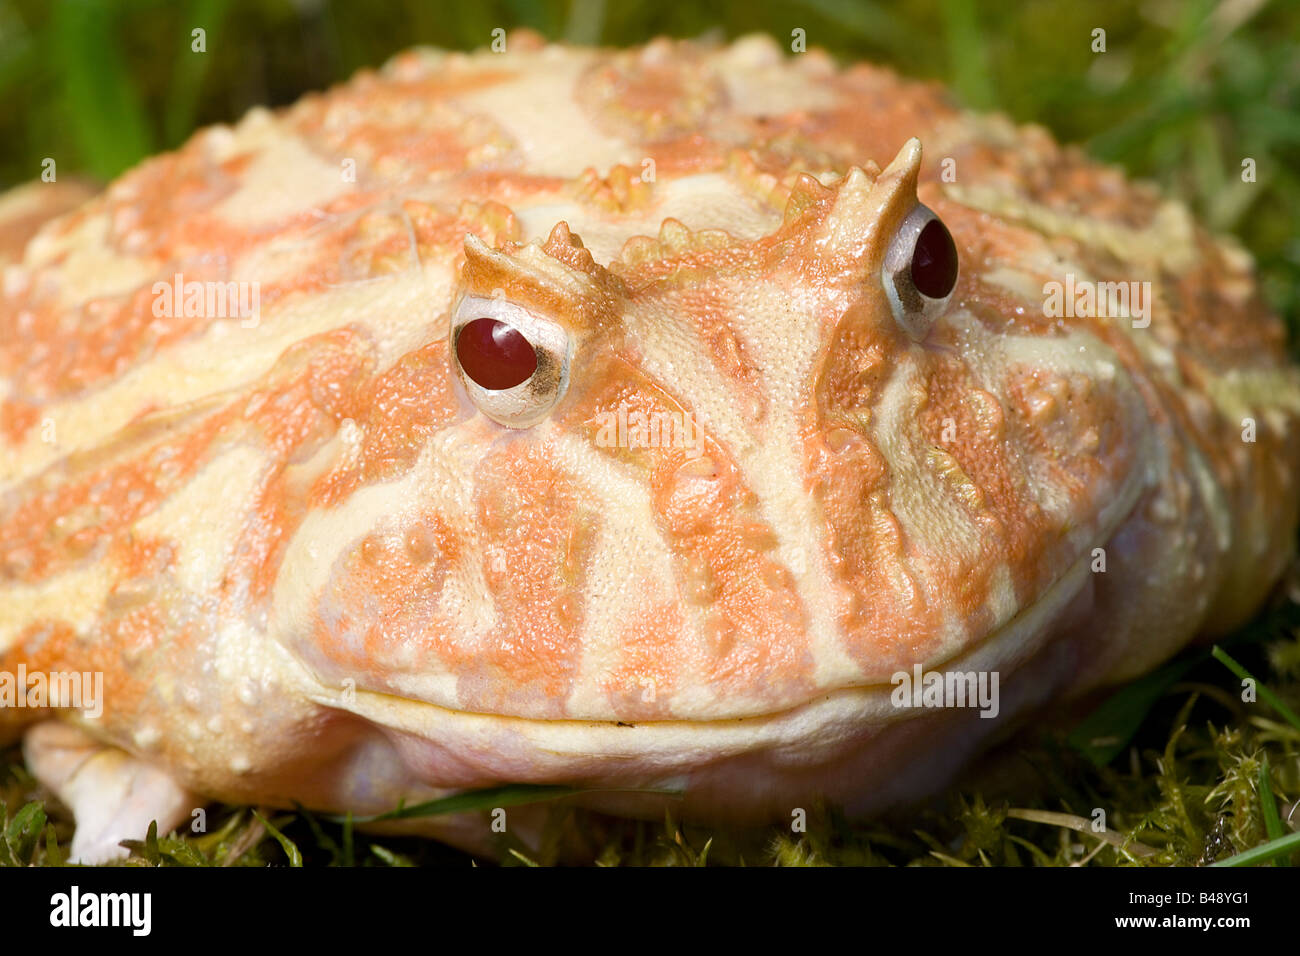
1185 91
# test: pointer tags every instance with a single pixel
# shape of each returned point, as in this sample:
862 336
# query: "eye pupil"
494 355
934 261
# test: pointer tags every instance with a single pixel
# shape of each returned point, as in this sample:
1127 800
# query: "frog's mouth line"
824 721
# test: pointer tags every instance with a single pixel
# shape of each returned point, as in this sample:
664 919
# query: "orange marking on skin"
723 338
1215 328
511 186
138 556
46 360
992 487
756 630
378 619
314 386
539 536
150 208
55 525
877 112
369 120
651 655
397 411
52 647
434 230
17 418
887 622
275 514
116 334
687 155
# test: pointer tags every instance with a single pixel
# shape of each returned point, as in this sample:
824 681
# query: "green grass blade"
100 99
586 21
1264 852
25 831
1104 733
1265 694
862 18
968 54
389 857
1272 821
190 69
490 798
53 854
472 800
290 848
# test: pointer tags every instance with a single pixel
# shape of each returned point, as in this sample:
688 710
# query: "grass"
1184 770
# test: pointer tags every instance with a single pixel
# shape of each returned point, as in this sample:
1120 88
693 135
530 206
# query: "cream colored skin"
354 579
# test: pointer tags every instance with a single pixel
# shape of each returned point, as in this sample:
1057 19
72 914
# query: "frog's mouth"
861 728
853 748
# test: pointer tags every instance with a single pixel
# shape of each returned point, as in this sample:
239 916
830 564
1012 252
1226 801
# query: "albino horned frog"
619 419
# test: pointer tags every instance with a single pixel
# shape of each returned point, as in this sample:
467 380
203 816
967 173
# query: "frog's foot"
113 795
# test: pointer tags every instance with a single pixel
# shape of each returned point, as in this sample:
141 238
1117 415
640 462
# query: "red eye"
934 261
494 355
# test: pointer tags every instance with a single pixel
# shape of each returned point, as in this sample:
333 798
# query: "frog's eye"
514 364
494 355
920 271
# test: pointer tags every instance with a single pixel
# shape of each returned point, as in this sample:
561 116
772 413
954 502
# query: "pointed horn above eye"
557 277
905 167
867 211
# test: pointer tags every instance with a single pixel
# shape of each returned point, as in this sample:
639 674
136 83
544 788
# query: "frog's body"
311 569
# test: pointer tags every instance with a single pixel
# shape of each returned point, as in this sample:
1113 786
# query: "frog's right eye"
514 364
920 271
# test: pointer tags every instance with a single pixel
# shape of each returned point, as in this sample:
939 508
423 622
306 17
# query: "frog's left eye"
514 364
920 271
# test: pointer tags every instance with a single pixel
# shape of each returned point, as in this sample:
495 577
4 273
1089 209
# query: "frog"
667 424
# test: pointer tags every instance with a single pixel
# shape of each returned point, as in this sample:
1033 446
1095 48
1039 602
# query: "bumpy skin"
310 569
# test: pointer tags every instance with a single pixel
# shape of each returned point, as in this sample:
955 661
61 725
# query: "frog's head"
715 477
